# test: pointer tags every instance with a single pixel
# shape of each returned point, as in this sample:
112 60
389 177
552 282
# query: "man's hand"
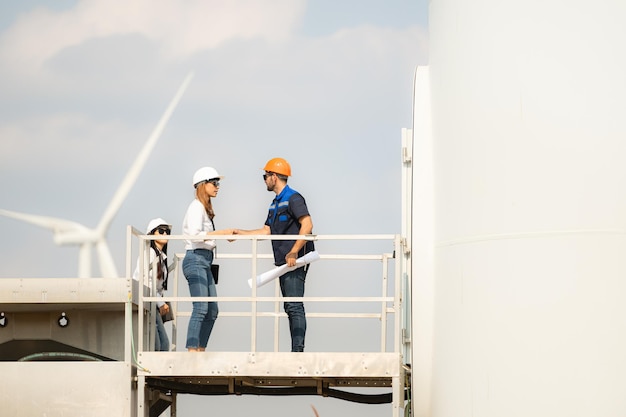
164 309
291 258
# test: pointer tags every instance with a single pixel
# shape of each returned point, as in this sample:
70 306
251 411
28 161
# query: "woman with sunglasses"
199 257
158 263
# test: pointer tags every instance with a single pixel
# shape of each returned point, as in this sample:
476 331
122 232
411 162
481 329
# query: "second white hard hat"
154 223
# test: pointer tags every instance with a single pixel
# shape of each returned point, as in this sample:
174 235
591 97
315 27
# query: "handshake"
224 232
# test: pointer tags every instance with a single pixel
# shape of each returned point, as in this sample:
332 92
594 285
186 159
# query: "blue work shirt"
282 219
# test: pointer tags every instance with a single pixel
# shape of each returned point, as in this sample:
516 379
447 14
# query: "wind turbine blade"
84 260
107 265
139 163
51 223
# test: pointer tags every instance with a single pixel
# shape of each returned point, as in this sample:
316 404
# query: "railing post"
398 305
383 319
174 305
140 286
254 306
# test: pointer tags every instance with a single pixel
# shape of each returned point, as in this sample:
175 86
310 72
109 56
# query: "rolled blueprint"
272 274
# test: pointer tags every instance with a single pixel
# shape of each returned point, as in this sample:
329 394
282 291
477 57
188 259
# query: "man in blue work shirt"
287 215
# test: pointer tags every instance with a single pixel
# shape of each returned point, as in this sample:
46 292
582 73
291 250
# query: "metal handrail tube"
253 313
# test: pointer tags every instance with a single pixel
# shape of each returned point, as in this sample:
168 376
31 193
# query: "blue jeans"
292 285
197 271
161 342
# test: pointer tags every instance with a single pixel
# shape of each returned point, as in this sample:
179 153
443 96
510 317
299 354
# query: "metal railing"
389 299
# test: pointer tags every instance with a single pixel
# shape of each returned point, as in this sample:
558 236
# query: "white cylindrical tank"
528 102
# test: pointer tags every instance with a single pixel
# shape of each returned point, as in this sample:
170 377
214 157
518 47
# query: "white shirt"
197 222
153 262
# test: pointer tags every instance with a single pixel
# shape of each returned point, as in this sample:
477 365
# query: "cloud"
180 28
337 86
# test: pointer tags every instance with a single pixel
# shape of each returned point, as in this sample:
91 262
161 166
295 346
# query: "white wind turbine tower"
67 232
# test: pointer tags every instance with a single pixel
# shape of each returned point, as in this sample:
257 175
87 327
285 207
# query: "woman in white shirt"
199 257
158 262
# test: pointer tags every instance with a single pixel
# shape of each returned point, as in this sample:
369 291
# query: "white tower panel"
528 102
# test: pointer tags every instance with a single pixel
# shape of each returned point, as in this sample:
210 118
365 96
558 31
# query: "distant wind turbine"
71 233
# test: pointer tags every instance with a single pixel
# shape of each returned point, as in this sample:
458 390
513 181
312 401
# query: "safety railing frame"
389 304
254 299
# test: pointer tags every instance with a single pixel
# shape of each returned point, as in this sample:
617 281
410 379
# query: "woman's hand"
222 232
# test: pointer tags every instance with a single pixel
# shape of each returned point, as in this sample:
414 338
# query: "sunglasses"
216 183
163 230
267 175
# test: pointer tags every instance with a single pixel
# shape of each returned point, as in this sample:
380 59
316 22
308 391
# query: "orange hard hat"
279 166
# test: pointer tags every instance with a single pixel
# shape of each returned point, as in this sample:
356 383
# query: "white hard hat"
154 223
205 174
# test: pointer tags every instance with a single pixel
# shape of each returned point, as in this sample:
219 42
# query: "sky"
326 85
